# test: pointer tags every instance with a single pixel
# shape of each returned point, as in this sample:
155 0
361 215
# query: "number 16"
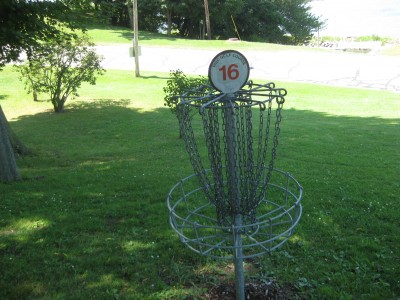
233 72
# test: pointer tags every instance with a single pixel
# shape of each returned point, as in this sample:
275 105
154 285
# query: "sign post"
236 209
228 73
136 37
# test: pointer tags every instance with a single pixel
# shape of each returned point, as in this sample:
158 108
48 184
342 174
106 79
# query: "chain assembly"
237 150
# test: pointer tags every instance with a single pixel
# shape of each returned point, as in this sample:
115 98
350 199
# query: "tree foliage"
24 24
59 69
298 20
177 85
278 21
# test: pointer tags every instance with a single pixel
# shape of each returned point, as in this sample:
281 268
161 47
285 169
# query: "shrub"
177 85
59 68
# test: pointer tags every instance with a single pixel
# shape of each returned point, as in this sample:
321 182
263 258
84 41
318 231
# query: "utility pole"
207 19
135 37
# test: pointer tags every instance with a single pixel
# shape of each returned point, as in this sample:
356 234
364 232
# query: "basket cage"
232 142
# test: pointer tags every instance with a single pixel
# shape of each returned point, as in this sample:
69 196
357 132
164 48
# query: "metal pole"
136 37
233 180
236 30
239 272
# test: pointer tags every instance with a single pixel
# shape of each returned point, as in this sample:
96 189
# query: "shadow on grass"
147 36
95 225
127 33
154 77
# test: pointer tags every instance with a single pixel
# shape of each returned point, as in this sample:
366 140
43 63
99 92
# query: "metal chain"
191 146
240 170
279 100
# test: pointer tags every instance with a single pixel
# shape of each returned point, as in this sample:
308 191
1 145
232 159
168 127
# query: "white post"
136 37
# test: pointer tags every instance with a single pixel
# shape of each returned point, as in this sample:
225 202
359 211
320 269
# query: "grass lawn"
89 220
106 35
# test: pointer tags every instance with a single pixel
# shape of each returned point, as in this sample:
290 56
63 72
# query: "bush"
59 68
177 85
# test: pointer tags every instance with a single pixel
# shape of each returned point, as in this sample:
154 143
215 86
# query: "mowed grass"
106 35
89 220
113 35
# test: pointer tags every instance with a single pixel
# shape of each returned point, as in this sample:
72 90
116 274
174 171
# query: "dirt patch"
255 290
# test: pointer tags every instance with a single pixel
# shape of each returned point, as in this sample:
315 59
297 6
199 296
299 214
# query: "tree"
297 21
169 8
8 166
185 16
24 25
59 69
28 73
277 21
260 22
151 14
221 13
208 22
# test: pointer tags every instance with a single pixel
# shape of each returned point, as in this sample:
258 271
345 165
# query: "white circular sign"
229 71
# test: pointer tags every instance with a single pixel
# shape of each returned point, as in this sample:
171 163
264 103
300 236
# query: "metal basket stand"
236 205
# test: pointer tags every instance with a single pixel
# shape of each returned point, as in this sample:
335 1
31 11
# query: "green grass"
89 220
106 35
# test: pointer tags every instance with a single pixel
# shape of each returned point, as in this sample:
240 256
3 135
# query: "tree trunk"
8 166
169 21
16 144
130 13
58 105
35 96
208 25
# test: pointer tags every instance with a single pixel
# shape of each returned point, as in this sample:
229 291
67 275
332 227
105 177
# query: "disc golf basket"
236 205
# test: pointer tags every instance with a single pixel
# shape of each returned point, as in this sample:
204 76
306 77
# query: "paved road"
332 68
